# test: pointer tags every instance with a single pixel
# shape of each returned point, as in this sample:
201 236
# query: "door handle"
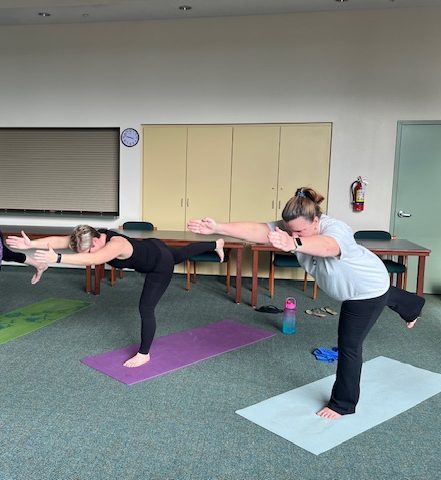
402 214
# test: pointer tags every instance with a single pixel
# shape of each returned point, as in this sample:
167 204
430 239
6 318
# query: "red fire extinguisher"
358 190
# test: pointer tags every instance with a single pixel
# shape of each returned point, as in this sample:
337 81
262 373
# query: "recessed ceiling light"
44 14
341 1
185 8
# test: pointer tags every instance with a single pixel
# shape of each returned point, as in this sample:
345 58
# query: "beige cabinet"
186 174
303 161
254 172
208 172
164 176
230 172
271 161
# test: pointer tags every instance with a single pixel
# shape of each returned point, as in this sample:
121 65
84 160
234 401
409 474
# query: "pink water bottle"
289 316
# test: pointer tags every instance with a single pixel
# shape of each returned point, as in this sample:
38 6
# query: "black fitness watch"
297 243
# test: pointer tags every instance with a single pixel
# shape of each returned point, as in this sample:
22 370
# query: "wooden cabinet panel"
164 176
254 172
209 172
304 161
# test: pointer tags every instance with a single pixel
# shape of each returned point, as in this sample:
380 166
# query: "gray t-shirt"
355 274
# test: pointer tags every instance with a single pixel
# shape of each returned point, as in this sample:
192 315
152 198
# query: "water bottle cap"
290 303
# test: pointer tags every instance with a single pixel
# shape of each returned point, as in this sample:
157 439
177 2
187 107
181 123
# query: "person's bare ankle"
412 323
220 249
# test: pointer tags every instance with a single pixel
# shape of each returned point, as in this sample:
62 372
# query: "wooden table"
397 247
174 238
401 249
33 231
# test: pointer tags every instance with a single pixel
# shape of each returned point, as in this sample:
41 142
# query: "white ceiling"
25 12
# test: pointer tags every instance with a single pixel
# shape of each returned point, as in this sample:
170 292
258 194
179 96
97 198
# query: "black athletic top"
145 252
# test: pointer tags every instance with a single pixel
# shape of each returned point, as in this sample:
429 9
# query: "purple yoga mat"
178 350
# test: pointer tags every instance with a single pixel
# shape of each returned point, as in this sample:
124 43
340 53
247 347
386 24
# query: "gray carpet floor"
60 419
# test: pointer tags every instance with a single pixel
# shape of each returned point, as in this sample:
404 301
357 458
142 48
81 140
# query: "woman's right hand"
205 226
46 256
19 243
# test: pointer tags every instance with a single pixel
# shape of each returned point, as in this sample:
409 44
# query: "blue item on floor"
324 355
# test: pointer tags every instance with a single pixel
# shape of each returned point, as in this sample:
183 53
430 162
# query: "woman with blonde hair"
326 249
150 256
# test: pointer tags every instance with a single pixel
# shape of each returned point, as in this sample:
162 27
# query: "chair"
393 268
287 261
211 257
136 225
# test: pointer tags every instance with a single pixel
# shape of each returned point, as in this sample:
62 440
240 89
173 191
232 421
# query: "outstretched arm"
249 231
25 243
116 247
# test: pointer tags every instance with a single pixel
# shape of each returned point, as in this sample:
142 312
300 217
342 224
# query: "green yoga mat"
37 315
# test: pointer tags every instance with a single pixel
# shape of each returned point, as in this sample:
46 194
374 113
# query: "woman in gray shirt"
346 271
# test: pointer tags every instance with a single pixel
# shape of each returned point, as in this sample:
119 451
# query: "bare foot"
220 249
42 267
137 360
412 323
326 412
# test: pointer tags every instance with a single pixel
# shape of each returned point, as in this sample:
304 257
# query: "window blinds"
59 170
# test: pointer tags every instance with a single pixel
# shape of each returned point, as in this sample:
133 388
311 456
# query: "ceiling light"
341 1
44 14
185 8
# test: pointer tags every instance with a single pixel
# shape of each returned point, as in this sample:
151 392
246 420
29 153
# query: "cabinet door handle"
272 205
188 202
279 204
182 202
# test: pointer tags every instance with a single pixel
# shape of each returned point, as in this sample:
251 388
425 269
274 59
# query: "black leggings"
157 281
9 255
357 317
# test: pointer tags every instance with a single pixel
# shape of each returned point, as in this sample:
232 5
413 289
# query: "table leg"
420 275
239 252
98 277
88 279
255 261
400 275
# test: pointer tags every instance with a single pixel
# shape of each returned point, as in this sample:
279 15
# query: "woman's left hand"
46 256
281 240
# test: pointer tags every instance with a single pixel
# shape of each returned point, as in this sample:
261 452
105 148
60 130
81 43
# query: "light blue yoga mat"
388 388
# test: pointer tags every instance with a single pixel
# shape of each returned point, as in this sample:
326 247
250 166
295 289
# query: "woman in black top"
150 256
18 257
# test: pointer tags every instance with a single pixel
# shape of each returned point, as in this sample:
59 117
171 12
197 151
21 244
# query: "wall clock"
129 137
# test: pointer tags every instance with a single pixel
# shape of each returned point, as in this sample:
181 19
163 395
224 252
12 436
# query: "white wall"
363 71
